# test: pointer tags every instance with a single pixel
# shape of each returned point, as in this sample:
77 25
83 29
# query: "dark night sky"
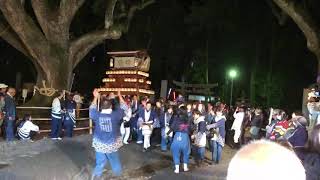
175 34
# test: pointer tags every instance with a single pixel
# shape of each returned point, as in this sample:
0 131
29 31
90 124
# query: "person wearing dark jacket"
165 124
145 125
218 138
256 124
299 137
181 141
10 114
156 133
70 117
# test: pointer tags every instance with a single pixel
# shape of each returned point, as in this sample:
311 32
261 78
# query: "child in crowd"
27 129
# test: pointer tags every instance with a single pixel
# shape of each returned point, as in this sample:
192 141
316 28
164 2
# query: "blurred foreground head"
265 160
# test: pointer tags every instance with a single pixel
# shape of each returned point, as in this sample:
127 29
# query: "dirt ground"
73 159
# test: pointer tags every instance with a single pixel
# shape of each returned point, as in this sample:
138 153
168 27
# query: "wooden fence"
41 120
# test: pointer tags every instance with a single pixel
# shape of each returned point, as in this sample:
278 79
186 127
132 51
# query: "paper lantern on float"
128 73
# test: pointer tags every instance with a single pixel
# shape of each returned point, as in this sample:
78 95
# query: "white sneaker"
125 143
139 142
176 169
59 138
185 168
54 138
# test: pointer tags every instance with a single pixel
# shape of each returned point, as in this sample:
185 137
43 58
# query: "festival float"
128 73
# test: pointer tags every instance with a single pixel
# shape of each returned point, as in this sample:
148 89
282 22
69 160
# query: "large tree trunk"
306 23
57 76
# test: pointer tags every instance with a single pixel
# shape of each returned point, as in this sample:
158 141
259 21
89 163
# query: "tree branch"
304 21
134 8
278 13
68 9
10 37
42 12
26 29
81 46
108 22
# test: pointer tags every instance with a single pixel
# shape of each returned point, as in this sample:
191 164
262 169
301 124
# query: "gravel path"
73 159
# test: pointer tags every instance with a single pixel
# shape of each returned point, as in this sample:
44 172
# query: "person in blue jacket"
70 116
137 113
10 114
106 138
299 138
181 142
217 138
165 124
145 125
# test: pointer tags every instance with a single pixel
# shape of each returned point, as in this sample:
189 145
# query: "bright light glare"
233 73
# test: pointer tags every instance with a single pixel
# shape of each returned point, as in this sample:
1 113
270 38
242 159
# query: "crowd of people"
187 129
65 109
25 129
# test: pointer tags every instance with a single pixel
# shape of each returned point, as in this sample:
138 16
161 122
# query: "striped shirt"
56 109
24 131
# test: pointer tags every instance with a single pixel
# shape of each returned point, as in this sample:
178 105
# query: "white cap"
3 86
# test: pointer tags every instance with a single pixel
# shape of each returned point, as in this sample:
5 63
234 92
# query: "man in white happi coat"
237 123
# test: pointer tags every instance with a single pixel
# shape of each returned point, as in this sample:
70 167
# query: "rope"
46 91
5 30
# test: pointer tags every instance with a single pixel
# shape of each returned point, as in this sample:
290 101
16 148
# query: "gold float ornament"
130 80
149 82
145 91
118 89
109 80
128 72
111 64
143 73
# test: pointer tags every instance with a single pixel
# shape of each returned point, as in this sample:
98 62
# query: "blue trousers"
199 152
55 127
68 127
140 136
180 144
216 151
10 124
101 161
165 140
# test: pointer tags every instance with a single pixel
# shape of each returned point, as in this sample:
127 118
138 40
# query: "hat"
3 86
